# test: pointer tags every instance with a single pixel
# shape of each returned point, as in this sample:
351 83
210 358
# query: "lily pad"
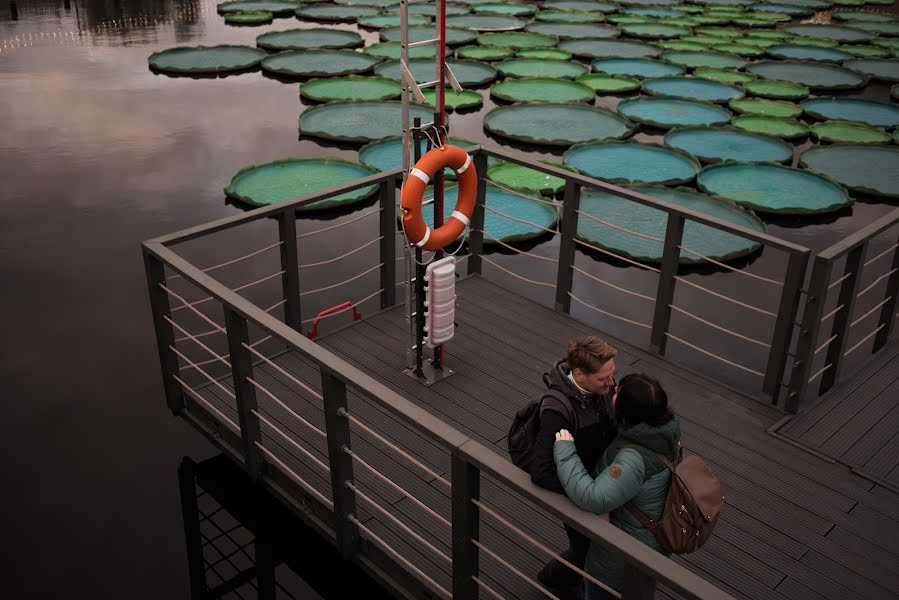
856 15
454 37
518 40
584 5
641 68
350 88
788 129
664 112
715 60
878 114
276 8
651 222
256 17
569 16
739 49
430 10
485 22
391 50
770 108
357 122
801 52
386 154
633 162
336 13
817 76
309 39
721 144
469 73
599 48
795 11
544 53
694 88
464 100
535 67
680 46
776 90
390 20
526 179
484 52
574 30
772 188
655 31
319 63
501 8
868 169
848 132
206 59
837 33
609 84
555 124
884 69
274 182
724 75
877 28
538 89
865 51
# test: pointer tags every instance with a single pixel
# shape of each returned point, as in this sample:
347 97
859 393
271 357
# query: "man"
586 377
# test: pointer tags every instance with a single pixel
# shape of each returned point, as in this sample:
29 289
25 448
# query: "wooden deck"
797 525
857 424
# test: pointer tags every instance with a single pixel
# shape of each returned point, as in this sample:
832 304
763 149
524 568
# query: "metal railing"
842 319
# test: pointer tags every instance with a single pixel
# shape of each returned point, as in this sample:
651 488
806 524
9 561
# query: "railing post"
808 333
476 230
888 312
841 321
165 334
466 527
241 370
783 326
290 280
674 234
190 514
637 585
571 203
340 463
387 203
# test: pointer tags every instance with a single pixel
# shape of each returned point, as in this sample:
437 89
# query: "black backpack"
526 425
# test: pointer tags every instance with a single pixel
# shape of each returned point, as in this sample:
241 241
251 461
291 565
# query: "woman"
624 473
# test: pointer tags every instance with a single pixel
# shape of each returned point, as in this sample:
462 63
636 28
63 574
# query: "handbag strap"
636 512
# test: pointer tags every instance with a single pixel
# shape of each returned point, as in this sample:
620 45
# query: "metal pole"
466 480
661 318
476 230
418 322
783 327
888 312
637 585
290 280
568 226
340 463
387 202
841 321
241 370
165 335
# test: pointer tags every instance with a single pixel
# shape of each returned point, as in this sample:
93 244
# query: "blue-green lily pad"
802 52
884 69
206 59
274 7
641 68
386 154
319 63
602 48
573 30
486 22
868 169
837 33
670 112
633 162
454 37
815 75
721 144
517 40
555 124
541 89
536 67
357 122
334 12
694 88
715 60
316 38
469 73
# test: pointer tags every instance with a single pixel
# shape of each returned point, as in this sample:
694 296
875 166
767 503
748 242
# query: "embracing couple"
599 443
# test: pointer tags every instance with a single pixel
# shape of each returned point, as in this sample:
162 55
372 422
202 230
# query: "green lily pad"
581 5
256 17
501 8
865 51
334 12
318 63
357 122
815 75
651 222
390 20
655 31
596 48
464 100
526 179
868 169
715 60
309 39
609 84
812 41
555 124
680 45
837 33
538 89
884 69
205 59
886 42
391 50
274 182
652 11
633 162
769 108
430 10
776 90
518 40
794 11
276 8
387 153
454 37
469 73
573 30
704 40
665 112
569 16
485 22
721 144
544 53
855 15
877 28
484 52
788 129
848 132
692 88
724 75
878 114
739 49
391 4
535 67
801 52
641 68
350 88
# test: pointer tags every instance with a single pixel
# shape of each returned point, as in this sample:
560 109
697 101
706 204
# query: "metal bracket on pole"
410 82
454 83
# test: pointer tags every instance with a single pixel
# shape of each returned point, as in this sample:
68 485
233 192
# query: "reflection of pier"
412 481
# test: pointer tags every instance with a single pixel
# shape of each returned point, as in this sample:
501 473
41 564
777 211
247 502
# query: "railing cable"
296 478
517 250
868 314
282 371
515 192
863 340
512 568
819 373
199 398
275 305
730 268
833 312
292 442
610 314
214 381
286 408
826 344
212 360
236 260
198 342
187 305
339 225
622 229
342 256
614 255
875 282
522 221
237 289
516 275
723 297
882 254
611 285
490 591
839 280
719 327
715 356
353 278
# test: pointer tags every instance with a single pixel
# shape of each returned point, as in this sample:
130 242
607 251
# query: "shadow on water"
215 75
800 221
330 213
242 542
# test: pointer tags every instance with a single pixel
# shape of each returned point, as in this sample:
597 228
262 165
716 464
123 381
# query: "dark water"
96 155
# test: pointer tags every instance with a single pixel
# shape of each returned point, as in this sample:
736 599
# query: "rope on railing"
819 373
868 314
723 297
212 360
715 356
882 254
515 192
523 221
342 256
275 305
283 372
838 281
517 250
826 344
403 526
237 289
353 278
542 547
516 275
231 262
864 339
516 571
613 315
296 478
215 382
394 447
730 268
286 408
622 229
490 591
292 442
614 255
719 327
833 312
396 555
611 285
356 458
184 338
198 342
209 406
343 310
339 225
875 282
187 304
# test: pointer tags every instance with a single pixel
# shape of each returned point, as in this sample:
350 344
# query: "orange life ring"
432 162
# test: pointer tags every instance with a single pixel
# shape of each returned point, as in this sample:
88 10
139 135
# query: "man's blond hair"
589 353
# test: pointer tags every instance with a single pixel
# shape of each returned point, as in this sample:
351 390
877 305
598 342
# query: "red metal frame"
313 333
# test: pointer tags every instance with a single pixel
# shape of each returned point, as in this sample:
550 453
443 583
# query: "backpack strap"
565 402
630 505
